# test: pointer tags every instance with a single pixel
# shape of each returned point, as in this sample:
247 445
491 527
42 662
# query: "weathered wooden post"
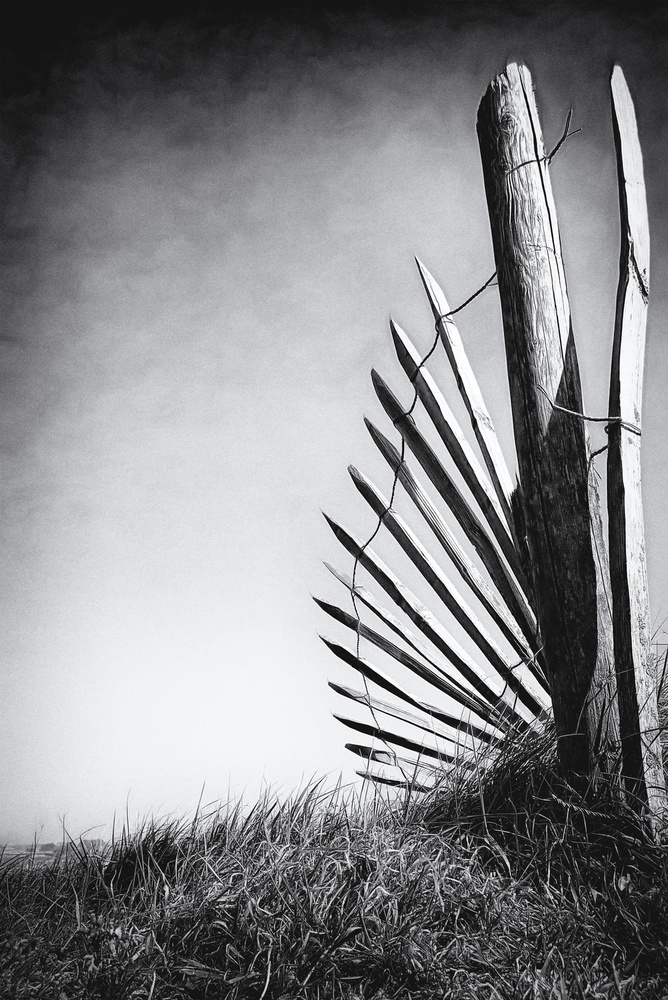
636 676
561 501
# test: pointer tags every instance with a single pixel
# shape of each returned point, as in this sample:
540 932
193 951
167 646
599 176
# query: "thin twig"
564 136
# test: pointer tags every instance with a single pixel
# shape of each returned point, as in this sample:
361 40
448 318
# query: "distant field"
43 854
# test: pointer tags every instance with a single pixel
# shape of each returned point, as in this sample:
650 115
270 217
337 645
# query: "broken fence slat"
377 779
395 740
636 678
381 679
397 626
391 759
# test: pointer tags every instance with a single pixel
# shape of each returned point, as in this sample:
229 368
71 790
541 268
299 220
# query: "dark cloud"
35 48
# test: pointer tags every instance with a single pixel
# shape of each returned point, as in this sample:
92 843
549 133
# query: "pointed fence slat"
488 687
427 723
636 672
498 611
458 447
374 674
446 685
367 598
517 679
389 758
501 575
394 739
370 753
370 672
483 428
378 779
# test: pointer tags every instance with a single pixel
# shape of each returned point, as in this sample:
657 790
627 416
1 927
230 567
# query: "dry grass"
507 886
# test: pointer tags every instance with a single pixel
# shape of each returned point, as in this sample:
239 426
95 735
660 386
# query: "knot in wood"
507 123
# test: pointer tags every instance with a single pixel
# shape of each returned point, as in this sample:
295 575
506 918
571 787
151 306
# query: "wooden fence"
561 627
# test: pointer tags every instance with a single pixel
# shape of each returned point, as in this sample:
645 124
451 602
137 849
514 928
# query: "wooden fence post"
636 675
561 501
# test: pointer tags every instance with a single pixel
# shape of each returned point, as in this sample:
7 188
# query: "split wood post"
642 766
561 501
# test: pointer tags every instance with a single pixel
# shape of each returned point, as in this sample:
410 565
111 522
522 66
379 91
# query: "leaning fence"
562 626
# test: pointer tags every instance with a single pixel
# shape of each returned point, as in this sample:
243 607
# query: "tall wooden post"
561 501
636 675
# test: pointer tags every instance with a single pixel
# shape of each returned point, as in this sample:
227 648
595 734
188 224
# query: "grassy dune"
504 884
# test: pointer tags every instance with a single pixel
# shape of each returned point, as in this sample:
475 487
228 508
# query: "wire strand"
597 420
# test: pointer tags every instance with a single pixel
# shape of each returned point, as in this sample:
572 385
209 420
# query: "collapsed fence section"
574 636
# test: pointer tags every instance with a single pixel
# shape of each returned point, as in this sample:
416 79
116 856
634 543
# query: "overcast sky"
206 229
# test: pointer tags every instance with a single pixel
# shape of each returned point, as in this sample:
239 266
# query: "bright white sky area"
204 237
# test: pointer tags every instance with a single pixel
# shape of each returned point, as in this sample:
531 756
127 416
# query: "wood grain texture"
636 677
558 487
